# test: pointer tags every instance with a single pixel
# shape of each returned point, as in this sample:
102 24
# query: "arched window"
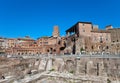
22 53
107 47
92 47
18 53
101 40
47 50
54 50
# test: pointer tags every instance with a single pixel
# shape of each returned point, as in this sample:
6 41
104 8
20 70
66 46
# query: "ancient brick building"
48 44
53 44
101 41
2 46
22 46
76 37
25 42
83 36
44 45
11 42
115 39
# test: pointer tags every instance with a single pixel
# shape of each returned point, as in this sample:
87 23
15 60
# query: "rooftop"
100 31
74 26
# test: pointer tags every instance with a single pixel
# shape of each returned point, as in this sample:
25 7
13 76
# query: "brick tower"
56 31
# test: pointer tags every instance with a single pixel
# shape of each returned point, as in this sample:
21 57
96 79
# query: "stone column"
49 64
42 64
36 63
89 67
100 69
77 67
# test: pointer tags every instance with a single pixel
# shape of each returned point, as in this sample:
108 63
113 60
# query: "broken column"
42 64
49 64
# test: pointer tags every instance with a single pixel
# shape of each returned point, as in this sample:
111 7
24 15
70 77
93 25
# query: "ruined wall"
83 66
101 68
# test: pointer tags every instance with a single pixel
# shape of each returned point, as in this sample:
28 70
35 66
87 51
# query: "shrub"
72 71
52 70
108 81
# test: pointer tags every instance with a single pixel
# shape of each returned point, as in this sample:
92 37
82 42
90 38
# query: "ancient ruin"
85 55
69 69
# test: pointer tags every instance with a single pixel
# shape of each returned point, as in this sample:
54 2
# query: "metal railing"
62 56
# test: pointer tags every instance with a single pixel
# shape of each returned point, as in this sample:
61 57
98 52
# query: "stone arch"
18 53
25 52
51 50
37 52
47 50
22 53
54 50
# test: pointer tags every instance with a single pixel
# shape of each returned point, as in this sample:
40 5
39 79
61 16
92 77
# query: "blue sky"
36 18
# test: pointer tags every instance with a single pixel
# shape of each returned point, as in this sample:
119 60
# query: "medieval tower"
56 31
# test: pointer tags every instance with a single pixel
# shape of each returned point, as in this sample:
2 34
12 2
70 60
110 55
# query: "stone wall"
84 66
93 68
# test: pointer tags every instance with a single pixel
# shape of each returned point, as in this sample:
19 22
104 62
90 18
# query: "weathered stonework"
85 69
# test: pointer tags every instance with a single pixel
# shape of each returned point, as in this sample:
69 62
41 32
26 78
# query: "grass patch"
71 71
52 70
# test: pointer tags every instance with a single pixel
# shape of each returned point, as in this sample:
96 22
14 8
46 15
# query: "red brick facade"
81 37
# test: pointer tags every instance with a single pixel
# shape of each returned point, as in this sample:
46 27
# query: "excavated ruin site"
59 70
